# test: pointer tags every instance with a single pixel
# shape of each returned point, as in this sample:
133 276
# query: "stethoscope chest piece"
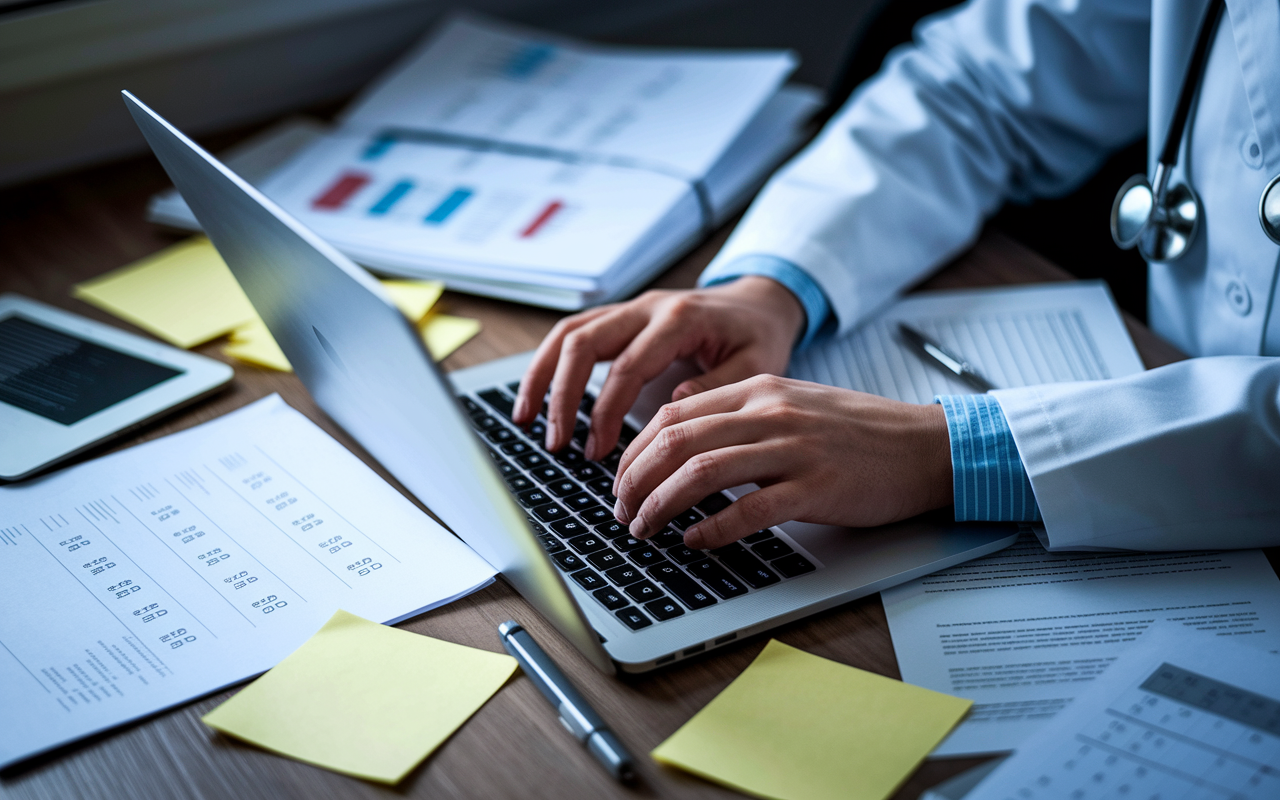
1161 221
1269 210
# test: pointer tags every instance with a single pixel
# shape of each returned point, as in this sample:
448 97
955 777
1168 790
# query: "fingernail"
522 406
620 511
639 530
693 538
590 447
552 434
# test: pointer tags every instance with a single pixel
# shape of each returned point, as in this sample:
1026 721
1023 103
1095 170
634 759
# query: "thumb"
737 367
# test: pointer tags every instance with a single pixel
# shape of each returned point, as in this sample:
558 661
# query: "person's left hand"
819 454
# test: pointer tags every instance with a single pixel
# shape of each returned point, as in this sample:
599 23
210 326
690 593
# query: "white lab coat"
1008 99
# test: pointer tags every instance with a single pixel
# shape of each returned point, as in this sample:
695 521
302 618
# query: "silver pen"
937 355
575 713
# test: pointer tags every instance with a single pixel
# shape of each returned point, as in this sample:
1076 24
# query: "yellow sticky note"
443 333
414 298
364 699
252 342
185 294
795 726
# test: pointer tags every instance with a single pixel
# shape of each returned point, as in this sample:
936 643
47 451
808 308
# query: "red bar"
336 196
542 219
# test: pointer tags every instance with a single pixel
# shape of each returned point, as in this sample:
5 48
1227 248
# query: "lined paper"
1014 337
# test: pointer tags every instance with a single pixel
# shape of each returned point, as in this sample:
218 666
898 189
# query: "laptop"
542 519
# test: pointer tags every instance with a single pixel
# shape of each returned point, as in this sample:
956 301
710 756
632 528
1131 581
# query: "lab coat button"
1251 151
1239 299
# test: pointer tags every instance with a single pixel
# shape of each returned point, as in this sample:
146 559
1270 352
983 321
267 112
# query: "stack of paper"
186 295
522 165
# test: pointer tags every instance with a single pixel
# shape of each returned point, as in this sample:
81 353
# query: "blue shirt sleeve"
816 307
990 482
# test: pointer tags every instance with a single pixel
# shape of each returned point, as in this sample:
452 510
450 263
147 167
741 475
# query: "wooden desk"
66 230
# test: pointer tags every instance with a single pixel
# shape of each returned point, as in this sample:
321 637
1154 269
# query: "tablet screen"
63 378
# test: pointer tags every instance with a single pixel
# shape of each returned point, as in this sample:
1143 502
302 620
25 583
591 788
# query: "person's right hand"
732 332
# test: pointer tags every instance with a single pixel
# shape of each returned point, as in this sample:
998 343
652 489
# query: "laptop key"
519 483
506 467
643 591
682 554
624 575
537 430
686 519
772 548
569 527
666 538
498 400
514 386
586 404
749 568
587 471
569 458
610 598
470 405
713 503
588 580
580 501
758 536
563 487
606 559
645 556
537 526
718 578
793 565
612 529
610 462
580 433
517 448
550 512
663 609
597 515
545 473
633 618
500 435
685 589
530 461
485 422
568 561
534 497
551 544
587 543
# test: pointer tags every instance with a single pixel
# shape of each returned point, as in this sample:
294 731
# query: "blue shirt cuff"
990 482
797 281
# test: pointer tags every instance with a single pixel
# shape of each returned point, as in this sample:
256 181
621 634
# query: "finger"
763 508
651 352
739 366
724 400
703 475
537 376
599 339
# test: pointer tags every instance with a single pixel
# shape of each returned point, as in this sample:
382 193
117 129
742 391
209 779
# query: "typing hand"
732 332
820 454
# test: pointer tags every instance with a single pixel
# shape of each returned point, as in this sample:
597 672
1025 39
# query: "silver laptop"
542 519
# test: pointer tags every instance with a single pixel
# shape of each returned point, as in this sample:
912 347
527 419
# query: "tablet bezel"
33 443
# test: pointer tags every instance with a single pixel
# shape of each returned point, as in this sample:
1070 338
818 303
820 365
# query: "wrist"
775 300
935 451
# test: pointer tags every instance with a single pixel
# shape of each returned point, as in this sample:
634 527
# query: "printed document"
172 569
1166 721
1018 336
1023 631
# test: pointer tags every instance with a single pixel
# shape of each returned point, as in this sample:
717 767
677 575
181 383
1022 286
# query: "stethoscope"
1163 220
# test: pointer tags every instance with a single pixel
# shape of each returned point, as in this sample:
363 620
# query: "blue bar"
447 206
528 61
378 147
391 197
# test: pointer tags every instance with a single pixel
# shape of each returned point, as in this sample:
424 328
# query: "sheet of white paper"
1015 337
479 78
172 569
504 216
1167 720
1023 631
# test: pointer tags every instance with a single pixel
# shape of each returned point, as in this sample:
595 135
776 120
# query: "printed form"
1167 721
175 568
1023 631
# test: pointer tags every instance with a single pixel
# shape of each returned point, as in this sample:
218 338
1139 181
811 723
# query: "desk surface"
62 231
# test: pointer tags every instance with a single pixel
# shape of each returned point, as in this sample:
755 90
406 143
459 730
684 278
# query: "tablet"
67 383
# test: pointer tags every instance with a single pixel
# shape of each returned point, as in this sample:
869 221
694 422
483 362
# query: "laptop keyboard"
569 503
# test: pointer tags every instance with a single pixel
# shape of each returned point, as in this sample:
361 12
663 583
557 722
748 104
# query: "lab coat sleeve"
1000 99
1186 456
